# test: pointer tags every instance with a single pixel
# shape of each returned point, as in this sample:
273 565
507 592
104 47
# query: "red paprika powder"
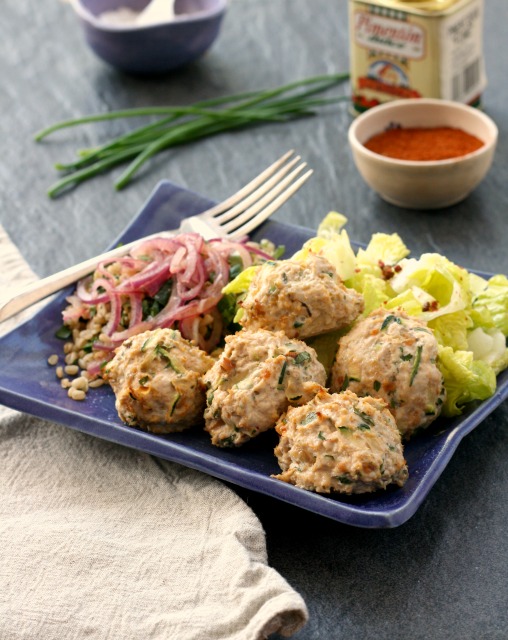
421 144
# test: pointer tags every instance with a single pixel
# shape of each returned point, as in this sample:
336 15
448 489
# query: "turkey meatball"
156 377
258 375
300 298
340 443
392 356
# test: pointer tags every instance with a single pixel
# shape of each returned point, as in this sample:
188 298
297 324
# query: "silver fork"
234 217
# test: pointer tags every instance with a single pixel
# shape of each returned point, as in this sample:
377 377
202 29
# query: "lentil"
80 384
71 369
76 394
71 358
68 347
94 384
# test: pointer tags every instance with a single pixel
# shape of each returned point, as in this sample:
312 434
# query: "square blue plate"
29 384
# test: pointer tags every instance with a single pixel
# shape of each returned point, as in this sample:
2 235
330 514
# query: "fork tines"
255 202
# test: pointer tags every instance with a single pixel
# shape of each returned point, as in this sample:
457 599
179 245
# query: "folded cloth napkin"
99 541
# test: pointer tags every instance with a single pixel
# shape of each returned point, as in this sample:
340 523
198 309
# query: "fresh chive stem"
86 156
135 113
416 364
183 124
84 174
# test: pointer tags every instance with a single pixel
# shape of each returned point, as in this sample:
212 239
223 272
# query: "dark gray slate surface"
442 575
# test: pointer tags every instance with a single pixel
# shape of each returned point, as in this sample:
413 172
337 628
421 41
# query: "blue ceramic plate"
28 384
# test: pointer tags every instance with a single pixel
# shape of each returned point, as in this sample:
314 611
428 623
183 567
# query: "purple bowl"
153 48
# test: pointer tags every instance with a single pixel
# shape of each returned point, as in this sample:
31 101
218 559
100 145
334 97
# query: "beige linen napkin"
101 542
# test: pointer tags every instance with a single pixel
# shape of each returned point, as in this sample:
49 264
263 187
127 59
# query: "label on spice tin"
389 35
398 51
462 66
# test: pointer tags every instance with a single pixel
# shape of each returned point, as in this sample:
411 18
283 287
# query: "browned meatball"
156 377
392 356
340 443
300 298
258 375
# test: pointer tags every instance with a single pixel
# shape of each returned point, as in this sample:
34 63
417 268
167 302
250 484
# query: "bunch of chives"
180 125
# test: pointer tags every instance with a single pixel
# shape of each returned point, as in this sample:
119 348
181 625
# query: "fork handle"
41 289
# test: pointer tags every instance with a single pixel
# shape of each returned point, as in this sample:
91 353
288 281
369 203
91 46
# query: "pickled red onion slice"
198 271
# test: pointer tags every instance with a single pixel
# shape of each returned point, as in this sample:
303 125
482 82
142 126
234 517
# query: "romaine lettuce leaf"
375 291
490 346
333 244
331 224
382 248
465 379
406 300
325 346
233 292
445 284
451 329
242 282
494 299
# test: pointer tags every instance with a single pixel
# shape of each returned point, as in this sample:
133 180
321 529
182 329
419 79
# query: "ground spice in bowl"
423 144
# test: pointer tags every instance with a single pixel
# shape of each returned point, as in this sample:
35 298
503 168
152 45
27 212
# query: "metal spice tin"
414 49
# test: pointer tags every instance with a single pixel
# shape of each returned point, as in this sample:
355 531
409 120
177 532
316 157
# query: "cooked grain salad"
163 282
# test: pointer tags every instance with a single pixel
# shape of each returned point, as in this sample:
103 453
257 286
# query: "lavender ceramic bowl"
156 48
